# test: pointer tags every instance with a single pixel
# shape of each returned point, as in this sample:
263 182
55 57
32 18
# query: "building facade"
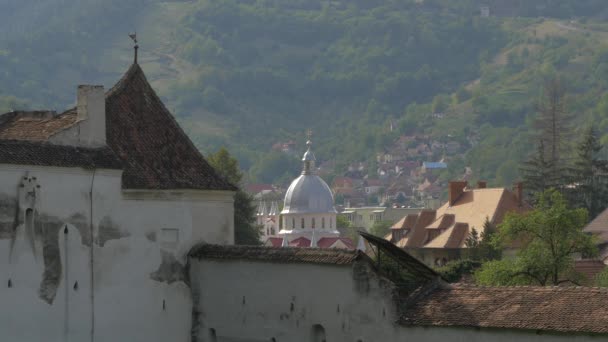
100 205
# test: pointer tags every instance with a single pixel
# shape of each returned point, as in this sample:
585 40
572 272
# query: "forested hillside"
249 73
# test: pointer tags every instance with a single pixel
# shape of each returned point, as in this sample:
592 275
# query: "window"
293 223
322 222
302 223
371 217
313 223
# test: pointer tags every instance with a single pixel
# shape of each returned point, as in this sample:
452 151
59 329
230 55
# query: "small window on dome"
302 224
313 223
322 222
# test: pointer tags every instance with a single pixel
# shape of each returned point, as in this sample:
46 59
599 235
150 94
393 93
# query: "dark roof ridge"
331 256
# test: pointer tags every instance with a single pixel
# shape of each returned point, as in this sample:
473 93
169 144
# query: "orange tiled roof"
556 309
35 126
470 210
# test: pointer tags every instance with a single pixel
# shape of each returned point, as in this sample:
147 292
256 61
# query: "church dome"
308 194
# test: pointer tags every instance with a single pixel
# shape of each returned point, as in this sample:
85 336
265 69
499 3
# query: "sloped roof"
599 226
276 254
556 309
44 154
35 125
155 150
472 208
418 235
329 242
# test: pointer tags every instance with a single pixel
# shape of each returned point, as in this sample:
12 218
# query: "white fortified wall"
106 267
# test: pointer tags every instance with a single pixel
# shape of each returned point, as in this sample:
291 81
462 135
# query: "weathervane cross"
133 36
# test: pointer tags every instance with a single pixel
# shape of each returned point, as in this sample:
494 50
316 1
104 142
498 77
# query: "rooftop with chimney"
466 209
127 128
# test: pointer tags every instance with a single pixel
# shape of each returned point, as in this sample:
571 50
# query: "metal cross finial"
309 133
133 36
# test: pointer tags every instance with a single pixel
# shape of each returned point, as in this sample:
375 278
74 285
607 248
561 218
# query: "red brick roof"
557 309
328 242
274 254
34 125
156 152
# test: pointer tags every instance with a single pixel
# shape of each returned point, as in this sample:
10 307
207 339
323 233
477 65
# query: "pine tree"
537 172
589 176
547 168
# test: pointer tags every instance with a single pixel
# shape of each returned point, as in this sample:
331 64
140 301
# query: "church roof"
154 151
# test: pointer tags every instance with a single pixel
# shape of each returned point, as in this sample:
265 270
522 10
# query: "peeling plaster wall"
287 303
138 248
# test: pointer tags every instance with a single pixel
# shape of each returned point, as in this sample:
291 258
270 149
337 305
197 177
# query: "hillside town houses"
114 227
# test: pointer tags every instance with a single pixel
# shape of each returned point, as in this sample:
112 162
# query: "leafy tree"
589 176
246 231
381 228
550 236
601 279
454 270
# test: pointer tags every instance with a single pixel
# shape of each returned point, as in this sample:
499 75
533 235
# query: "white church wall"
141 239
285 302
292 302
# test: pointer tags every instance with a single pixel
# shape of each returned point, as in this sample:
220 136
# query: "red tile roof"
35 125
557 309
328 242
300 242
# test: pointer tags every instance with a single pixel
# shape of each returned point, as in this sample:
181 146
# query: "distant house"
438 236
366 217
372 186
432 166
599 227
343 185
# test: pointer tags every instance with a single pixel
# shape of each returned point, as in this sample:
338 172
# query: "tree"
246 231
553 124
550 236
480 246
381 228
589 175
537 173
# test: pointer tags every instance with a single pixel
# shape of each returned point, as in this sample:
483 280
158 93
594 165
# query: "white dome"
308 194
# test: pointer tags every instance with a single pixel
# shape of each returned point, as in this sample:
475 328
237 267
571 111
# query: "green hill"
249 73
